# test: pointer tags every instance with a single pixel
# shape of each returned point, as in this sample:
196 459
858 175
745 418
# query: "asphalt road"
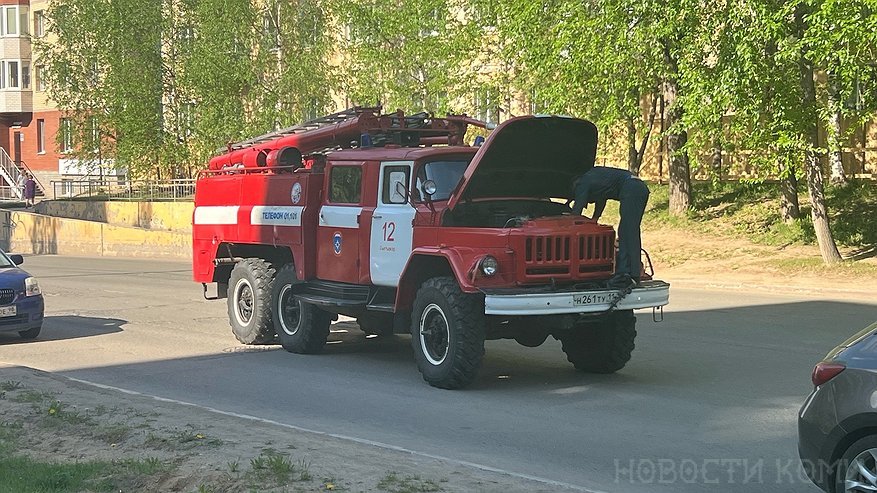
708 402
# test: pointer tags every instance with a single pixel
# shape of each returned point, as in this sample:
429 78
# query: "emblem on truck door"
336 243
295 195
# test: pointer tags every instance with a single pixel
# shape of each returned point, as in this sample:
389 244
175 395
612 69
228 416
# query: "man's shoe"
621 282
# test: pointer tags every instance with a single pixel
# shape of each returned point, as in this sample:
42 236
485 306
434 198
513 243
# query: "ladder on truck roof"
314 124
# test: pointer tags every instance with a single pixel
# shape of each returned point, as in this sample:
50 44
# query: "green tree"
409 55
107 84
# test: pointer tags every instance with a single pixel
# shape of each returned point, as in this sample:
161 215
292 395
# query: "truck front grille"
581 256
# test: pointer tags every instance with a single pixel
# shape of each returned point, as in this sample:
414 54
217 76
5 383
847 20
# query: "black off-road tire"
602 346
442 312
301 327
30 333
249 301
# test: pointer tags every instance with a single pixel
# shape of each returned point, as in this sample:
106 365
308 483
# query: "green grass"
22 474
393 483
752 211
279 468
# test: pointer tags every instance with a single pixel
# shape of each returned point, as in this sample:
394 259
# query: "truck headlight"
489 266
31 287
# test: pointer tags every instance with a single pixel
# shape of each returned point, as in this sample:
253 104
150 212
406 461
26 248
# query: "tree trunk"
679 179
661 140
835 158
641 152
716 161
812 168
632 164
789 207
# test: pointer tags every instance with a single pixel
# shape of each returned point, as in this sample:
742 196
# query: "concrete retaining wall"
165 216
25 232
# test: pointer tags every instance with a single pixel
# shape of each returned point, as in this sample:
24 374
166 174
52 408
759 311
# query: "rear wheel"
249 301
31 333
447 333
857 468
603 346
301 327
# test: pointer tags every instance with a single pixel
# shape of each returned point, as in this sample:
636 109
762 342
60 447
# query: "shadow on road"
61 327
718 383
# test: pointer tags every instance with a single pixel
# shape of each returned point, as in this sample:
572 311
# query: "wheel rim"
289 310
862 473
435 334
244 301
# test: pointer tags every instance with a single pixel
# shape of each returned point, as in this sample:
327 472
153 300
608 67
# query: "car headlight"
489 266
31 287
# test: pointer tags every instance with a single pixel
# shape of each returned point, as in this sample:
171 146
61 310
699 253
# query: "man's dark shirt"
597 185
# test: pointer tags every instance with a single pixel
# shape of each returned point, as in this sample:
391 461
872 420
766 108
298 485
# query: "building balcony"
15 47
16 101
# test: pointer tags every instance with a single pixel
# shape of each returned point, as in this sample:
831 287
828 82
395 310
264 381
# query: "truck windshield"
445 174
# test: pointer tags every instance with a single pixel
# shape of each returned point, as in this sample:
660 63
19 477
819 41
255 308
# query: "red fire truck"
395 221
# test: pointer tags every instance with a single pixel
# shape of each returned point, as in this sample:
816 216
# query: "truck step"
327 301
382 307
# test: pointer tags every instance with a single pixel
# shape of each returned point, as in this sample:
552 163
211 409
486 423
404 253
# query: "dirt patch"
687 257
183 448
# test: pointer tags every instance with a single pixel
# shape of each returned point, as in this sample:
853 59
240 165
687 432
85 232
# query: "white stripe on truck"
216 214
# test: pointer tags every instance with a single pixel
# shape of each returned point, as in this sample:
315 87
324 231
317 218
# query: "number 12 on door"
389 228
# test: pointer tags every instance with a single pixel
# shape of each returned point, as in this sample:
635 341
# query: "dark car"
837 426
21 302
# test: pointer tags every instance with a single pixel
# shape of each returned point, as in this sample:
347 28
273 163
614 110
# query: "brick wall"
45 161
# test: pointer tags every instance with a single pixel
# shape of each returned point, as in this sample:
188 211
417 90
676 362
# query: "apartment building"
29 121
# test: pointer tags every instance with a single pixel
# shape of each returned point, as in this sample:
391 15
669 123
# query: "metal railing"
11 173
121 189
9 193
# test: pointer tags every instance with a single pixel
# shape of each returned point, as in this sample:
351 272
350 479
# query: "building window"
39 23
10 21
39 75
41 136
22 15
66 130
13 20
25 75
12 75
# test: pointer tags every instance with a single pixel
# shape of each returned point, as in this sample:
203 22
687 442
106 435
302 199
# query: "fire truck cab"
393 220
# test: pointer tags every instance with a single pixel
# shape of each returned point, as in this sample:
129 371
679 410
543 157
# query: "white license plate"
585 299
7 311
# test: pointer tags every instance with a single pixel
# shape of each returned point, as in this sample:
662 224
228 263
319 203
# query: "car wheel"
857 468
601 347
447 333
249 301
30 333
301 327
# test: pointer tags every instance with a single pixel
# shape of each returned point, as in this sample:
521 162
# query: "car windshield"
445 174
5 261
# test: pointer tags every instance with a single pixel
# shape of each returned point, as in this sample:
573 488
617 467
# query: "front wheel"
448 329
603 346
31 333
249 298
301 327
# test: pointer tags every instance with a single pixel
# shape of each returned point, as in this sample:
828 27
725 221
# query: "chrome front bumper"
531 302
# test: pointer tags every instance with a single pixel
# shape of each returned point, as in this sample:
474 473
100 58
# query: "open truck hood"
530 156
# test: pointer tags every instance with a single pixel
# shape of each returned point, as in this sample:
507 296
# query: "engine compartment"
502 213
